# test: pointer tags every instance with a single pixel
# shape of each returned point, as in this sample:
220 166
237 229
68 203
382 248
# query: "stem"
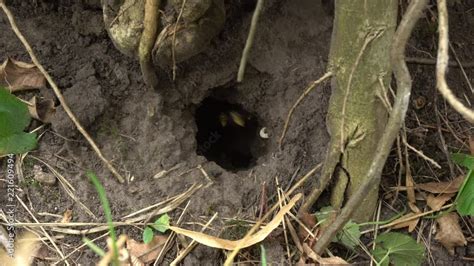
395 121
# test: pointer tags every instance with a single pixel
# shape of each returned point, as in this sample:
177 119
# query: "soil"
105 90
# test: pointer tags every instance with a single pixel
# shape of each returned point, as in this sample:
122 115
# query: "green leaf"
463 160
17 143
263 256
147 235
162 224
323 214
14 116
350 235
465 198
107 211
398 249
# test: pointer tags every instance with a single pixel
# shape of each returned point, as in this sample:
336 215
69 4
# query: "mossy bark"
360 47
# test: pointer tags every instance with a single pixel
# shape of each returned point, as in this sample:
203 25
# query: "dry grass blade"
66 185
292 109
236 245
191 245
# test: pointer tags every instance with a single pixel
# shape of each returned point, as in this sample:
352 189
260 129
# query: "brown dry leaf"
41 109
17 75
67 216
437 202
146 253
309 221
442 187
449 232
411 224
26 247
257 237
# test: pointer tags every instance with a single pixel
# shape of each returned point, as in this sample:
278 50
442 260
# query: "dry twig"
442 65
292 109
250 39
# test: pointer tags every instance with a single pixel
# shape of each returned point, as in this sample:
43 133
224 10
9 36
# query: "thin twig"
429 61
462 68
292 109
395 121
250 39
57 92
442 64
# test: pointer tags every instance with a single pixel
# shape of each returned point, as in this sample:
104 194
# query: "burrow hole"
227 134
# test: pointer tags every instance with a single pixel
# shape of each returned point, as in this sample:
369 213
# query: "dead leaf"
449 232
442 187
437 202
146 253
257 237
43 177
309 220
26 247
17 75
42 109
403 222
67 216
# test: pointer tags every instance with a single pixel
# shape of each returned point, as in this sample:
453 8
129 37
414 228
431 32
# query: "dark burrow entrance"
226 134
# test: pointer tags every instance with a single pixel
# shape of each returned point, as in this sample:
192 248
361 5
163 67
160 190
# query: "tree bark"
360 51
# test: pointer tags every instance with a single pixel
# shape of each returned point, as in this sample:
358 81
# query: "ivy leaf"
350 235
464 160
465 198
162 224
14 117
398 249
18 143
324 213
147 235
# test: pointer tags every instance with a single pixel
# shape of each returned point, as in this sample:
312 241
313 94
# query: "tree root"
147 40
